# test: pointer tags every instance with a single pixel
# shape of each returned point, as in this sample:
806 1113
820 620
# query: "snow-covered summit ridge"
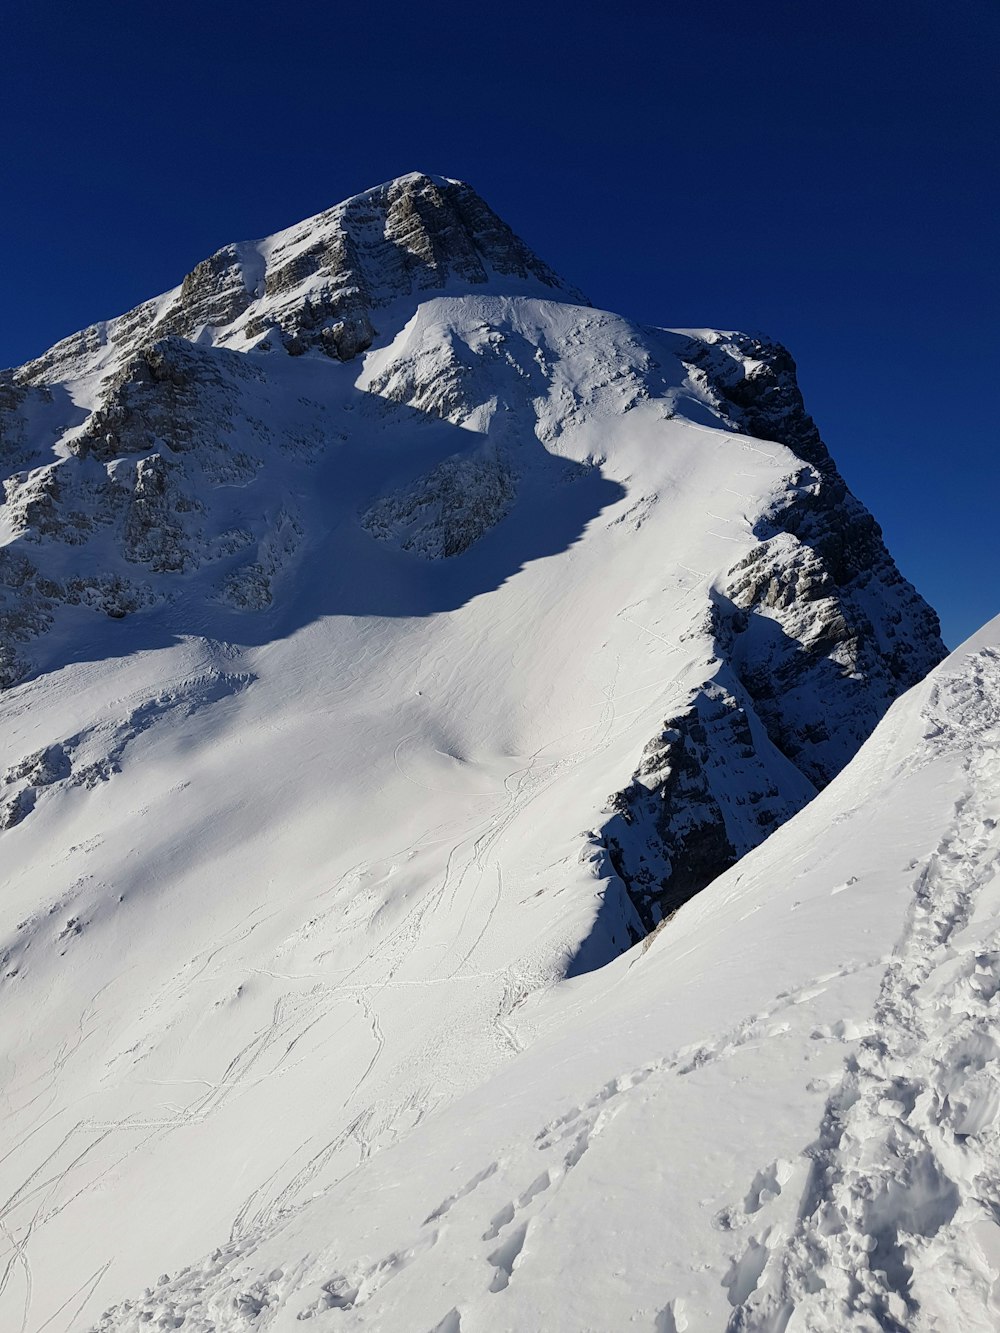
320 282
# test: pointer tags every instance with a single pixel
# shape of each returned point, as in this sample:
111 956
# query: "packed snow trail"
907 1163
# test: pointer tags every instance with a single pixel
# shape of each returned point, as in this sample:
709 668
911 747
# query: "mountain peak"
317 669
319 283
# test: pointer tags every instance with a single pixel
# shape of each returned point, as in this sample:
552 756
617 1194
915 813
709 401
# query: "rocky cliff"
816 633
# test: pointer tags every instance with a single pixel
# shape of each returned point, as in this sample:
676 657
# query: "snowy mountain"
781 1114
390 639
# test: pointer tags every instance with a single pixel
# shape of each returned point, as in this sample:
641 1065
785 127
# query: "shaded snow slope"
361 688
782 1114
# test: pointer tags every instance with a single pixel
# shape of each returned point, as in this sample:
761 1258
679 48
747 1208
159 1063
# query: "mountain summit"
387 636
319 284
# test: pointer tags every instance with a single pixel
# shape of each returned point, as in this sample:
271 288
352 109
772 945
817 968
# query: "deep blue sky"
826 172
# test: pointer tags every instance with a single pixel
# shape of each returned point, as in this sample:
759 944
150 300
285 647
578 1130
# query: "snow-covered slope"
388 635
782 1114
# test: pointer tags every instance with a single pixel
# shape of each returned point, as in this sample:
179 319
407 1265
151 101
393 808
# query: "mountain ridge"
415 232
321 661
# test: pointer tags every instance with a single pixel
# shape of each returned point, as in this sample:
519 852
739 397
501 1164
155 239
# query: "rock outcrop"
816 632
321 283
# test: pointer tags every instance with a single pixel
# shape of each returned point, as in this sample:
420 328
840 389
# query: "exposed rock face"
839 621
816 633
14 399
321 283
752 382
449 509
29 600
154 484
679 824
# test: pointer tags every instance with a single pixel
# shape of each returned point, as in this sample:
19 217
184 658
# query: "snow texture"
342 584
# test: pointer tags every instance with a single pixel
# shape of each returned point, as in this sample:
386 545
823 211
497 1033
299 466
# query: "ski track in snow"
560 1145
468 863
294 1015
901 1170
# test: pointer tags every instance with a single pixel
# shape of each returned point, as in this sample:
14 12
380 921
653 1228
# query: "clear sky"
825 172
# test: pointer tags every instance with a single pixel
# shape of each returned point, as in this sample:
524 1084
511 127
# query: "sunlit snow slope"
389 636
781 1115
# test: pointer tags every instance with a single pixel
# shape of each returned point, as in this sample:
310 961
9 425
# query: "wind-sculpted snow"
341 586
95 754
